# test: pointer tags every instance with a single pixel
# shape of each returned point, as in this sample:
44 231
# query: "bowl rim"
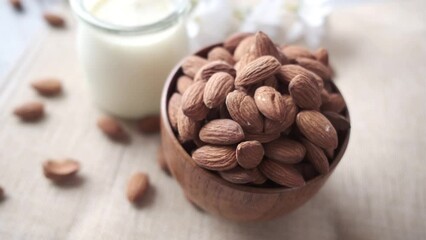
167 92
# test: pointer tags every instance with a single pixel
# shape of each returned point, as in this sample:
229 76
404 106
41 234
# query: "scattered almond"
112 128
137 186
54 20
216 89
285 150
30 111
218 158
47 87
305 92
249 154
60 170
317 129
283 174
221 132
192 64
149 124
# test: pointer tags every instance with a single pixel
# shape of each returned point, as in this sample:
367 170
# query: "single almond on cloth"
249 154
54 19
172 109
262 137
220 53
257 70
192 64
187 127
60 170
149 124
281 173
338 121
292 52
316 157
161 160
217 158
111 128
305 92
221 132
264 46
269 102
234 40
30 111
322 55
217 88
243 47
315 66
192 101
240 175
183 83
47 86
286 73
317 129
285 150
137 186
211 68
243 110
335 103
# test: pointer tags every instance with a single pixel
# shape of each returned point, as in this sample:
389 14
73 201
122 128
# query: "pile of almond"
258 113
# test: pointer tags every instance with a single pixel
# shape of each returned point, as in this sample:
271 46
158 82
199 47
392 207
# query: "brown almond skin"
30 111
264 46
216 158
149 124
211 68
281 173
243 47
285 150
172 109
338 121
220 53
317 129
257 70
307 170
305 92
111 128
192 101
240 175
249 154
60 170
292 52
315 66
287 72
269 102
137 186
47 87
217 88
322 55
54 20
234 40
243 110
192 64
221 132
183 83
187 127
290 116
316 156
262 137
335 103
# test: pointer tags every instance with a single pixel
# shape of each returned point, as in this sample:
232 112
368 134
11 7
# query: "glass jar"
127 49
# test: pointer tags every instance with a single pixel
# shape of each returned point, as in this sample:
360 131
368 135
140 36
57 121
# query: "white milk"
126 69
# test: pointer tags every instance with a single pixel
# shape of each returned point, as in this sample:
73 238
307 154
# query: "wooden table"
378 191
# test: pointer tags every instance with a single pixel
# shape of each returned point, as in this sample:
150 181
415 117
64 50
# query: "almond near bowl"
232 201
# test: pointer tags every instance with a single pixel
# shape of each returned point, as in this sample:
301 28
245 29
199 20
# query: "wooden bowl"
217 196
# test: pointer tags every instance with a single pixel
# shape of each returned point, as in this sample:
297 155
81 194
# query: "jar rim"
164 23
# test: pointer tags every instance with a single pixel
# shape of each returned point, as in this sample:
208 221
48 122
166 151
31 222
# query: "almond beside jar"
252 111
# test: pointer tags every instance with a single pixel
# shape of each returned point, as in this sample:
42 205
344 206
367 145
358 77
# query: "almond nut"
60 170
240 175
317 129
287 72
220 53
315 66
183 83
187 127
257 70
221 132
269 102
192 64
149 124
338 121
217 88
17 4
281 173
335 103
262 137
316 157
192 101
243 47
30 111
217 158
243 110
137 186
285 150
264 46
305 92
47 87
234 40
292 52
249 154
322 55
112 128
172 109
211 68
54 19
